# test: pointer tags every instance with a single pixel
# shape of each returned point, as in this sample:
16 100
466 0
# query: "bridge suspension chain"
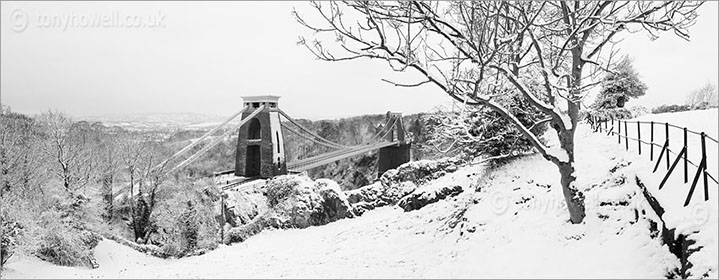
204 149
382 131
217 140
308 131
388 128
310 138
198 141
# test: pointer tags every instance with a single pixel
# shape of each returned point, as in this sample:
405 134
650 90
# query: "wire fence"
602 125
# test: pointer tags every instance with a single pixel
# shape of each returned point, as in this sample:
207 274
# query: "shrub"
670 108
281 187
612 113
188 225
487 133
185 220
9 240
619 87
60 244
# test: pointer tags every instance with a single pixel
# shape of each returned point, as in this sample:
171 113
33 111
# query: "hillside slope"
511 222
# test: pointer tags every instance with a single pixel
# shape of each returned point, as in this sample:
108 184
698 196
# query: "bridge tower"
393 156
260 146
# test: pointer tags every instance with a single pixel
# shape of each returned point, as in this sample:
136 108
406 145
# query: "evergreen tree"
619 86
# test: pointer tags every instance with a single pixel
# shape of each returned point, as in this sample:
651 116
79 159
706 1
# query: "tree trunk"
107 196
573 197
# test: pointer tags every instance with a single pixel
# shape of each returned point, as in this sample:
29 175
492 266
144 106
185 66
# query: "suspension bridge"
261 154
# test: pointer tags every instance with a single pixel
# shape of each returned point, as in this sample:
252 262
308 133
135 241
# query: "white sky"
208 55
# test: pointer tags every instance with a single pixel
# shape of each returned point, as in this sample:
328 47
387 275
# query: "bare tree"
67 146
20 166
107 155
704 96
143 161
549 52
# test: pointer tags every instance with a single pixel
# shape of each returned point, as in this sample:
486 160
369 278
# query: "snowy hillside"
511 222
158 121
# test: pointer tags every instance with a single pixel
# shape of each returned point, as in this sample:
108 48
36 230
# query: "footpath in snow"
510 222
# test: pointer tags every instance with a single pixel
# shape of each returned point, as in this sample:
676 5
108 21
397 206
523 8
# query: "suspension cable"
308 138
306 130
217 140
385 126
198 141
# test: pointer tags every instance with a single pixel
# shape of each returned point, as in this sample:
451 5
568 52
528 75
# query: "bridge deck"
323 159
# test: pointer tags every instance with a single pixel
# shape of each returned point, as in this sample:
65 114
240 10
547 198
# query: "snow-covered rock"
244 205
296 201
398 183
421 197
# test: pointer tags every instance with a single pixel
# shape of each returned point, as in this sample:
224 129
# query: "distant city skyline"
83 59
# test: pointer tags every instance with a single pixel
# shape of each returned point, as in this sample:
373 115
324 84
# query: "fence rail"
607 126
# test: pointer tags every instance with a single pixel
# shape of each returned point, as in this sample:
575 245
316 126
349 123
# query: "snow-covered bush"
60 244
9 240
611 113
185 220
480 131
281 187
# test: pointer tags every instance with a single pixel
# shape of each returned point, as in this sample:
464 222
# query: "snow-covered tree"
704 96
619 86
470 49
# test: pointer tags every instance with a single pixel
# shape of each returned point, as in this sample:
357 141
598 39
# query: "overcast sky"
203 57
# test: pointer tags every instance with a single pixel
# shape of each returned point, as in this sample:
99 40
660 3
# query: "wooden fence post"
665 149
701 169
651 145
619 135
704 166
666 132
686 172
639 137
626 136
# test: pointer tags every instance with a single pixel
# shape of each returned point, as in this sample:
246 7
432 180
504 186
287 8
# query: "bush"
9 240
281 187
670 109
185 220
189 225
60 244
619 87
486 132
609 114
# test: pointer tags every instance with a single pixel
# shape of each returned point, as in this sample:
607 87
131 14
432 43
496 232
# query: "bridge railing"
621 129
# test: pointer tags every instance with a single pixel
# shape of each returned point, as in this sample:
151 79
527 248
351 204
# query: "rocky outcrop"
244 205
398 183
296 202
422 197
419 172
377 195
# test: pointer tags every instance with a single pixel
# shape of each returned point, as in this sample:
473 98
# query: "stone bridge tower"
260 146
394 156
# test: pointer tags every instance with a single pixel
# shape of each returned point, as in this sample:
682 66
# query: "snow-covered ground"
700 219
706 121
509 223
